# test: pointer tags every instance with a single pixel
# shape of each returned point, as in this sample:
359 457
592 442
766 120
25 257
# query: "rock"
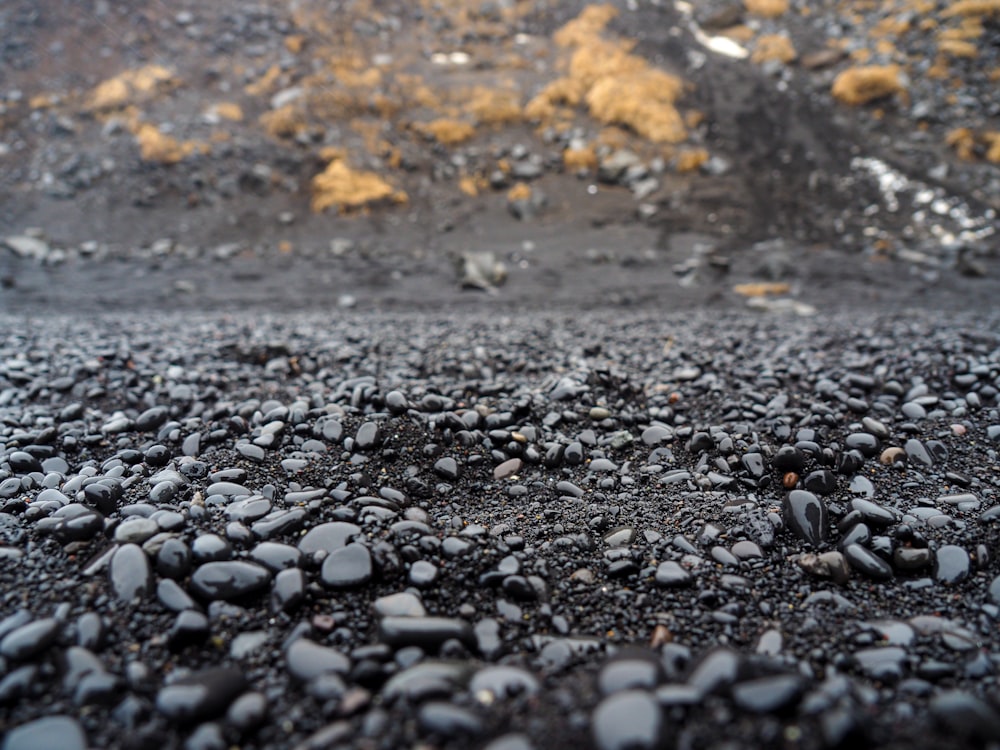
228 580
200 696
630 720
805 515
130 573
347 567
29 640
48 733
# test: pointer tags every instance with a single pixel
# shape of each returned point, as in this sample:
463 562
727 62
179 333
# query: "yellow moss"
958 48
774 47
893 26
284 122
156 146
963 140
861 56
471 186
227 111
266 83
332 153
124 88
972 8
766 8
992 140
494 106
341 187
446 131
295 43
690 160
520 192
642 101
861 85
601 58
762 288
591 22
580 159
41 101
562 91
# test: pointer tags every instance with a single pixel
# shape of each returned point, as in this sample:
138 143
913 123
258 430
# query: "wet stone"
768 694
884 663
865 443
502 682
630 720
200 696
30 639
874 514
917 453
368 436
347 567
135 530
248 711
426 632
715 671
951 564
911 558
130 573
448 720
508 468
328 537
447 468
630 670
966 715
62 732
806 516
670 574
820 482
229 580
307 660
789 458
867 563
403 604
423 573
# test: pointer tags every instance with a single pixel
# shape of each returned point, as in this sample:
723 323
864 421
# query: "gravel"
604 529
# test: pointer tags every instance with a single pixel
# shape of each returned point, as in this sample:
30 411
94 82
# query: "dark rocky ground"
271 478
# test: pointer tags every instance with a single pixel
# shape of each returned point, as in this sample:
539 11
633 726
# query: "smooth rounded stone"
513 741
190 627
252 452
248 711
210 548
867 563
995 590
629 670
368 436
249 509
289 589
867 444
135 530
427 633
130 573
966 715
173 597
103 497
716 670
913 410
276 556
203 695
620 537
917 454
307 660
789 458
22 462
227 489
820 482
446 468
657 434
746 550
508 468
279 522
768 694
448 720
47 733
328 537
453 547
963 500
883 663
951 564
602 465
892 455
911 558
874 514
402 604
173 560
861 485
228 580
630 720
670 574
501 682
875 427
347 567
151 419
30 639
805 515
423 573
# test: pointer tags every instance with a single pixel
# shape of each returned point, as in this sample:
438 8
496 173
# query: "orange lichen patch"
693 118
285 247
471 186
295 43
994 75
939 70
266 83
762 289
580 159
893 26
445 130
284 122
341 187
494 106
972 8
861 85
560 92
958 48
520 192
963 140
156 146
643 101
591 22
415 92
226 111
690 160
332 153
774 47
766 8
42 101
601 58
124 88
613 138
740 33
992 140
861 56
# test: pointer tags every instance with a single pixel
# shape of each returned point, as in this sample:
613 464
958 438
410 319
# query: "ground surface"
513 374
